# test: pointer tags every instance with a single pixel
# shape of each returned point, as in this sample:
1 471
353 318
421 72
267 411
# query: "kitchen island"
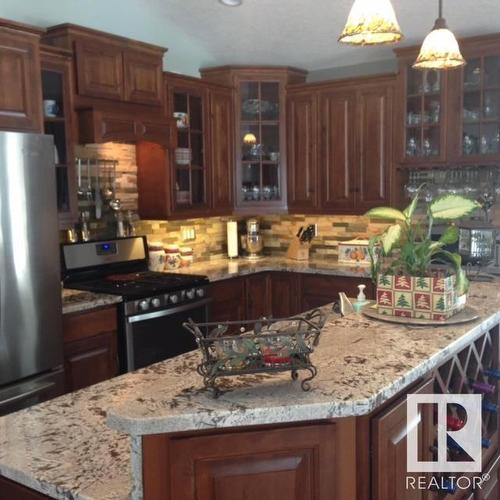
65 449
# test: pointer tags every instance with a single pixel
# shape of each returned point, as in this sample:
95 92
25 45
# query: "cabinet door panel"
222 151
389 441
302 150
375 147
99 70
266 464
156 132
20 87
89 361
337 150
228 300
284 295
143 77
257 296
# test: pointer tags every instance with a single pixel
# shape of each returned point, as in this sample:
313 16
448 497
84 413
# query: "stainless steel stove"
155 305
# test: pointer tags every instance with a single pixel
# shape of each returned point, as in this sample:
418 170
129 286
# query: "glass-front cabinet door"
189 159
423 115
480 118
260 145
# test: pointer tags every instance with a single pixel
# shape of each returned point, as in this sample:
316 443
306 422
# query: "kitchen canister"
186 256
172 257
156 256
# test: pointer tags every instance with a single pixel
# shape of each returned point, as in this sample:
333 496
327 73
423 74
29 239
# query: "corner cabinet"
259 132
340 145
20 97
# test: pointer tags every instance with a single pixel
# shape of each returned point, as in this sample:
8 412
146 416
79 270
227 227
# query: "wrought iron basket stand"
262 346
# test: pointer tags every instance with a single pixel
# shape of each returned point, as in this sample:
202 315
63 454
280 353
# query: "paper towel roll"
232 239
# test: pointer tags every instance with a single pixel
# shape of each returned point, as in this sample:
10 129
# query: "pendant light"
440 48
371 22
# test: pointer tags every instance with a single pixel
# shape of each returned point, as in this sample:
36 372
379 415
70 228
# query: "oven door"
157 335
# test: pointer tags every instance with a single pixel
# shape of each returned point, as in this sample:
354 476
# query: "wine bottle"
485 442
487 406
492 373
483 387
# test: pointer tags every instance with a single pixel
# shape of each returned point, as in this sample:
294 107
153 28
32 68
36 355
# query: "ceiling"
304 33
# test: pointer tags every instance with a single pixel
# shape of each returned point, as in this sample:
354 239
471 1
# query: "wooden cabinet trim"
80 325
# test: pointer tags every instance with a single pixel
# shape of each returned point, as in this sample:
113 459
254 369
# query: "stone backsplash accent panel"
210 242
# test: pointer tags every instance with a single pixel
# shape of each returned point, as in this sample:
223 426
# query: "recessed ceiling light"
231 3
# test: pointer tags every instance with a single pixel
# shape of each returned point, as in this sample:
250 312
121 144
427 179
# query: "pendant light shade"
371 22
440 48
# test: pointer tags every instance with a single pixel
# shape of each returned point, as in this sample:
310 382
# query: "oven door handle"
167 312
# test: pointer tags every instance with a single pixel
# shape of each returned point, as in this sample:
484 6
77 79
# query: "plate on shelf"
466 315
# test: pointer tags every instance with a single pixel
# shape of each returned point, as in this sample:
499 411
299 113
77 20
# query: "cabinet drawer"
89 323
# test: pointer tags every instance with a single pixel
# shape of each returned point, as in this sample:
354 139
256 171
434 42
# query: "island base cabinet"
10 490
389 431
308 462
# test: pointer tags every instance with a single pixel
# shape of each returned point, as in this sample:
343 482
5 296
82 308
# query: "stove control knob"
156 302
144 305
200 292
174 298
190 294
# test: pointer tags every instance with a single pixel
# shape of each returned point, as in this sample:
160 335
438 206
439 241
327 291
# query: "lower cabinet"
90 347
258 302
279 294
10 490
305 462
389 431
318 290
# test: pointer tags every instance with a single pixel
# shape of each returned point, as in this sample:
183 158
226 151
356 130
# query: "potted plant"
415 276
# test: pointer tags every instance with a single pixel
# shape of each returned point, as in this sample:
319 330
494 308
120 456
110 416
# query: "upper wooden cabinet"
453 117
259 132
340 145
20 77
302 137
112 67
57 83
194 178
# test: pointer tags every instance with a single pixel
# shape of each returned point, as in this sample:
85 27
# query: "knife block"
298 250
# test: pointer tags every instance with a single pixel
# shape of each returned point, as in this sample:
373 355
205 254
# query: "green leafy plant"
406 247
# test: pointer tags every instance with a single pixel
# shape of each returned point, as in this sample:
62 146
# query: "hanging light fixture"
440 48
371 22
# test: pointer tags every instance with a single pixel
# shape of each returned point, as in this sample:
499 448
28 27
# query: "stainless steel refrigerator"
30 291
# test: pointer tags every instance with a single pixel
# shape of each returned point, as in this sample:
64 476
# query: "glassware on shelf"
468 145
412 147
427 150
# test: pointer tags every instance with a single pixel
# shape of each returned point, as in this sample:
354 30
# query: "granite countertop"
77 300
64 448
219 269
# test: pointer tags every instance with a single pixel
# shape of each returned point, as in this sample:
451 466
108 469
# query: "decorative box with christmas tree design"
431 298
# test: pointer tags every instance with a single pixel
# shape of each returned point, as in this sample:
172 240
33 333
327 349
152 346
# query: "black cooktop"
140 284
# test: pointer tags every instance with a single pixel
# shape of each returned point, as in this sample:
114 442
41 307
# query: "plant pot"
432 298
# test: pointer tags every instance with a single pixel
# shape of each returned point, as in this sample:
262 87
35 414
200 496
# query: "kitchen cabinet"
221 149
284 294
316 290
107 125
111 67
190 154
20 77
9 490
389 431
201 183
90 347
57 84
258 302
228 300
260 133
302 143
268 463
340 145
